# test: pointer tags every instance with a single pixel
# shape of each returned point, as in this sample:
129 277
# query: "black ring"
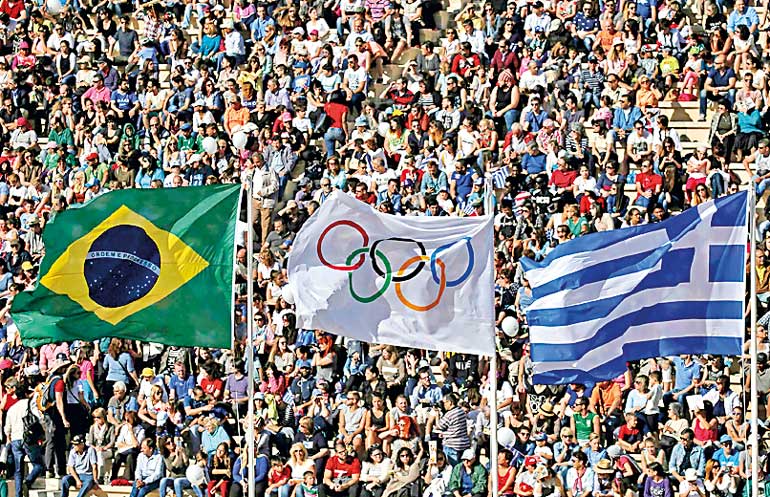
404 277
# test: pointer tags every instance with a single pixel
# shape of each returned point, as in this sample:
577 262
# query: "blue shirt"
533 164
123 101
463 184
719 78
685 374
644 7
118 369
181 386
747 18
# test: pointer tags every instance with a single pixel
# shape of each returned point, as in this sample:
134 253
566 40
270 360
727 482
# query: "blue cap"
186 126
725 439
94 182
301 64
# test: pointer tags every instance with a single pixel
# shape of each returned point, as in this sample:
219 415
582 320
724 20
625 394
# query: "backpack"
45 396
33 430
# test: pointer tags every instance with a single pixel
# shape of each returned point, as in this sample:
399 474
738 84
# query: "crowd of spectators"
558 110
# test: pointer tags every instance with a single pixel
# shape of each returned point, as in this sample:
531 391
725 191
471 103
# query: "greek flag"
499 177
675 287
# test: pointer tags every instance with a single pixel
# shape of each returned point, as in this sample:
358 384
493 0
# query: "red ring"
361 258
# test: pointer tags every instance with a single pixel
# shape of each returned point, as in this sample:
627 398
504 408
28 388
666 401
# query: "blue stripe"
731 211
727 263
674 270
631 352
657 313
676 227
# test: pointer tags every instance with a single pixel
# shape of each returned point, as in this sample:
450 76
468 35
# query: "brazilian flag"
154 265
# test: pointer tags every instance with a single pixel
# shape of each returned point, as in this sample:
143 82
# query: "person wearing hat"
301 81
54 416
727 456
82 468
33 238
469 478
148 380
23 136
235 46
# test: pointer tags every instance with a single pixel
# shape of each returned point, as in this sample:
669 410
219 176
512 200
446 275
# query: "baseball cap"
468 455
92 156
147 372
27 266
185 126
78 439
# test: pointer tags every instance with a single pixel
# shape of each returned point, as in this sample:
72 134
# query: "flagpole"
492 375
250 339
753 344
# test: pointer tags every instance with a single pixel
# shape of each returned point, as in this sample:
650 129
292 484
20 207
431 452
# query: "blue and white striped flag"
499 177
676 287
468 208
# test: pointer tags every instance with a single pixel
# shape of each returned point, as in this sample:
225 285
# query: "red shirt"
342 469
335 112
13 9
211 386
563 179
274 476
649 181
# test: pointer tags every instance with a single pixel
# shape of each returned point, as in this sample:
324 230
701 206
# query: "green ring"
388 276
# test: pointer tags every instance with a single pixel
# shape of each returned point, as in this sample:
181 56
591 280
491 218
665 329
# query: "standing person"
54 418
453 427
23 441
82 469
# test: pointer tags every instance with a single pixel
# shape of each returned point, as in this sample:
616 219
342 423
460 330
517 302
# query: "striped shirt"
454 428
594 80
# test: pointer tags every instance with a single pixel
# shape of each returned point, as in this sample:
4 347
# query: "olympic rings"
382 266
388 275
441 288
348 267
406 277
468 269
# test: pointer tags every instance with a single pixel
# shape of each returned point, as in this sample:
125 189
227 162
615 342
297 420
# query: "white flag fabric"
425 282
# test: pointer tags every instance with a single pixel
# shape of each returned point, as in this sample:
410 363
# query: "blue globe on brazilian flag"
154 265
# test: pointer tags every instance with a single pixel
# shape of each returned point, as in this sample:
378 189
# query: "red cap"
92 156
530 461
22 122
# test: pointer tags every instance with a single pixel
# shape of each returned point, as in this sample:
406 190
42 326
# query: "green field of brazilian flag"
153 265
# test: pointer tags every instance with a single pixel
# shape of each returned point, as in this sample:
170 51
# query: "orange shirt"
604 397
236 117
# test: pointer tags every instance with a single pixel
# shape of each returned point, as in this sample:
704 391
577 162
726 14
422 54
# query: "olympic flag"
422 282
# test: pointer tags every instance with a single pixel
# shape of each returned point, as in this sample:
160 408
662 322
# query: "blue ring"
464 276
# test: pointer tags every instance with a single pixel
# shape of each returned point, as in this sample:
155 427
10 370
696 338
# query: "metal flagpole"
490 211
754 437
250 340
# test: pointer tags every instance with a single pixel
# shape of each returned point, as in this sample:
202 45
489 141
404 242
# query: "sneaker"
702 117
